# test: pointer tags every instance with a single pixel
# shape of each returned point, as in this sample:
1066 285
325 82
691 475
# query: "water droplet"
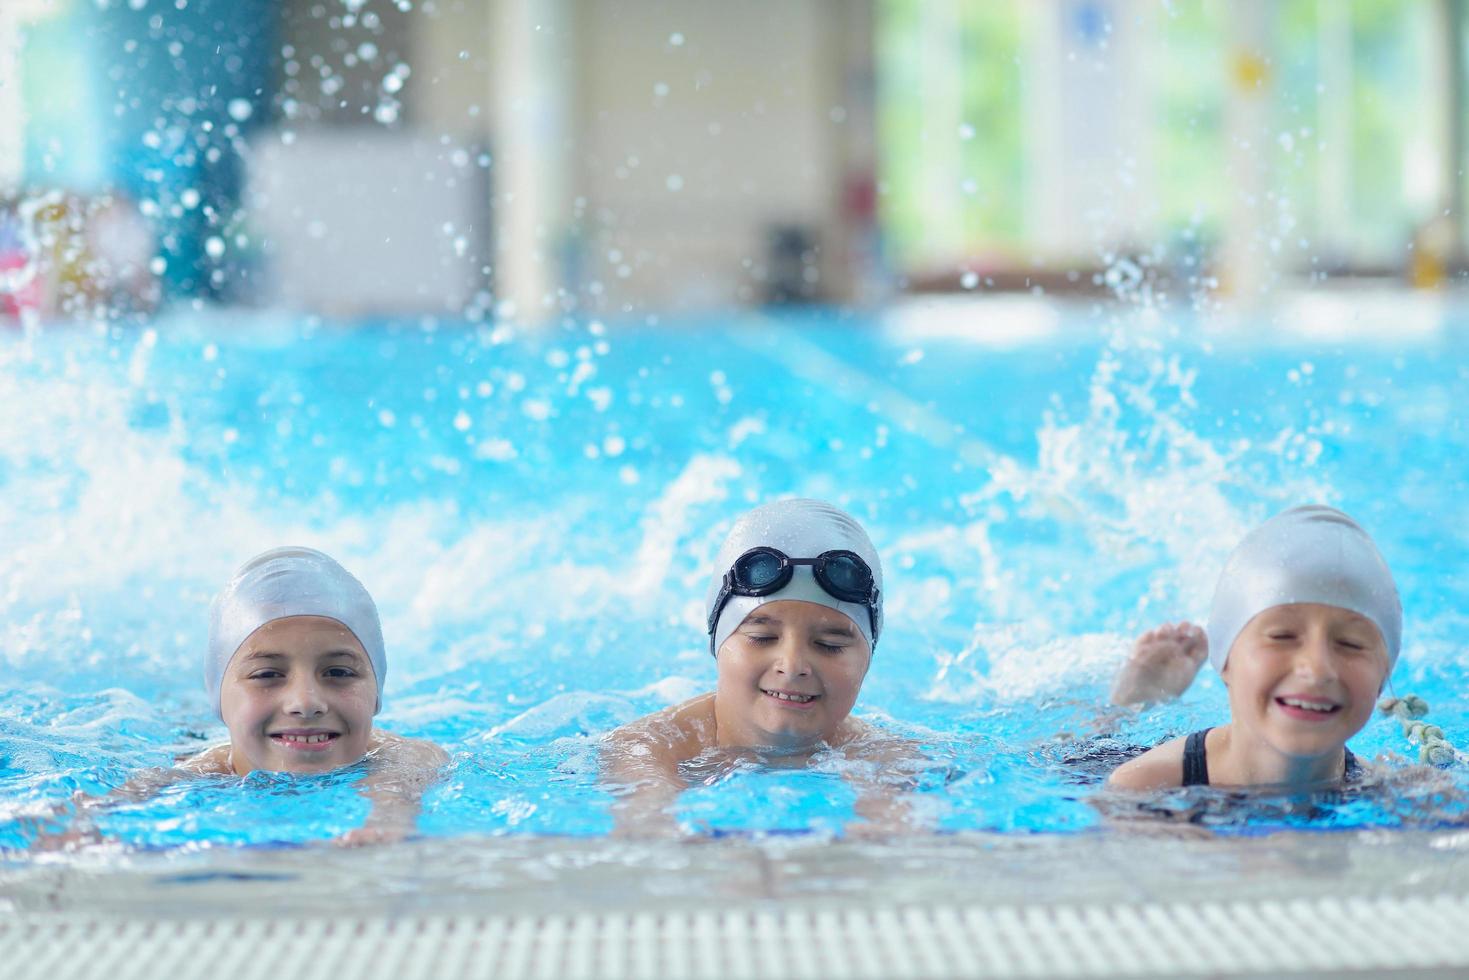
240 109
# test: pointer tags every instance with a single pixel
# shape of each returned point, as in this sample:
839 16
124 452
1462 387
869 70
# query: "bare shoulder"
1160 767
689 723
213 761
399 751
665 737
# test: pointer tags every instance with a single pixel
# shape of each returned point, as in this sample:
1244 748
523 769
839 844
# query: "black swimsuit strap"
1195 761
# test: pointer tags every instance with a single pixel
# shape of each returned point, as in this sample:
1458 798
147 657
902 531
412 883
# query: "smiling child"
794 611
295 670
1305 628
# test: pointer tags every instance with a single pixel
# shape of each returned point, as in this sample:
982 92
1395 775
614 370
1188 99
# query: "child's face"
298 696
814 656
1305 678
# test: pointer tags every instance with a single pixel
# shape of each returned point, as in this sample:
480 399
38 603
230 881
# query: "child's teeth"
1308 705
781 696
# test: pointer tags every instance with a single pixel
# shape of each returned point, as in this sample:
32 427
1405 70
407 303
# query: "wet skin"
298 696
788 677
1302 680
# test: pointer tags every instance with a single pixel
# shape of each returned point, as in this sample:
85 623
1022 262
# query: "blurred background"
534 159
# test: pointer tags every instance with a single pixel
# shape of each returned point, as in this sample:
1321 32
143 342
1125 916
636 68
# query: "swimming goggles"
763 571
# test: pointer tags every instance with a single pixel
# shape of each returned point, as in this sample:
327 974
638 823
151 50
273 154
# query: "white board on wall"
359 223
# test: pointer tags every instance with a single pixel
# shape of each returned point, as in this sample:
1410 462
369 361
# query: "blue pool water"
535 512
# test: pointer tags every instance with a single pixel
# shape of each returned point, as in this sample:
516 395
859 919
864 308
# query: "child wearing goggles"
1304 629
794 613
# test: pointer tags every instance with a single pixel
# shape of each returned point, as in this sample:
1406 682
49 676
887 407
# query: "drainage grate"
1238 938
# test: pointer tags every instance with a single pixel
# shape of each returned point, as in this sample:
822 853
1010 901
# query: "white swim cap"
287 582
799 529
1307 554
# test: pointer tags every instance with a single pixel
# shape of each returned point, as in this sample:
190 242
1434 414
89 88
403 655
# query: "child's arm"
80 830
887 770
400 771
641 761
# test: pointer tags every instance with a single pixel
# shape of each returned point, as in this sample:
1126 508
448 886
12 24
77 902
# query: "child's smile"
305 739
1308 709
791 699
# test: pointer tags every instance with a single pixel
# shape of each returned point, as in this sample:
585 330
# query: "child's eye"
831 647
1281 635
340 672
1352 644
761 638
266 675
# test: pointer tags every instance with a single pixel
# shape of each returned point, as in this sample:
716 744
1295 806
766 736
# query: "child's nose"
304 698
792 660
1314 661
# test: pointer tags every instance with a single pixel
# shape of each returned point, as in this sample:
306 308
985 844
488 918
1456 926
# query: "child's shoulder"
399 751
1160 767
673 734
688 719
213 761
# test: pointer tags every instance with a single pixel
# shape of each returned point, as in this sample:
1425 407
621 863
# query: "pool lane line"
815 364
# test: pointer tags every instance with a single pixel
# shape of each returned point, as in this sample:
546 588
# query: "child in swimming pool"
1305 628
295 670
794 612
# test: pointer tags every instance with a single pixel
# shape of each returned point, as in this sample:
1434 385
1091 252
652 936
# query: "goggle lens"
847 579
758 570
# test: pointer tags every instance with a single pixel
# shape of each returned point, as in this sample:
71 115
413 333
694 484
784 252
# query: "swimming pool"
535 512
